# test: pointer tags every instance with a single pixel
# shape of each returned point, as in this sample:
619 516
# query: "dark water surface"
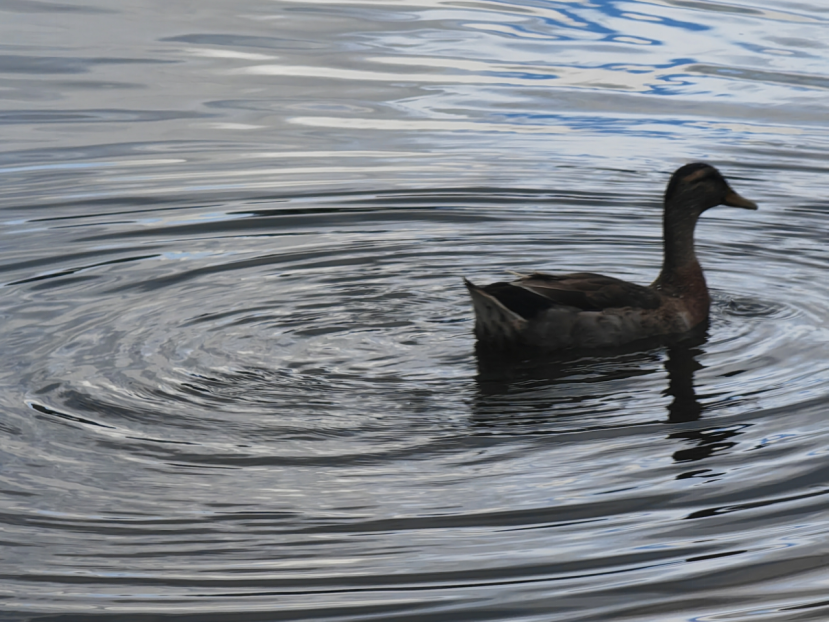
238 376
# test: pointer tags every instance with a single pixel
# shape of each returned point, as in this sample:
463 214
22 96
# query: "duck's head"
697 187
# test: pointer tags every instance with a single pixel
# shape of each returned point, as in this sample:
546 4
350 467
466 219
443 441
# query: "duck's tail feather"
496 325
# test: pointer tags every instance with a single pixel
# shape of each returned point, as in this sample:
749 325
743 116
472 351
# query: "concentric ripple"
239 380
294 322
281 380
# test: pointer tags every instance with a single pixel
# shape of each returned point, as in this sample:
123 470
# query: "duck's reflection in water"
681 365
521 395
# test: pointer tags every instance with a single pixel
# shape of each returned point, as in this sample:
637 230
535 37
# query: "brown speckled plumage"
586 310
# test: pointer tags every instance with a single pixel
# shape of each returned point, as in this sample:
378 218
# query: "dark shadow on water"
562 383
681 366
526 394
708 442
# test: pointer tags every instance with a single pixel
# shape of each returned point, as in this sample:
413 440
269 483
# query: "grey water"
239 380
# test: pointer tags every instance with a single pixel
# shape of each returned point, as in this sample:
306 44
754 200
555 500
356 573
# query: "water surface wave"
239 376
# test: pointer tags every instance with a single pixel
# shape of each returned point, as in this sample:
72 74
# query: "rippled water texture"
239 378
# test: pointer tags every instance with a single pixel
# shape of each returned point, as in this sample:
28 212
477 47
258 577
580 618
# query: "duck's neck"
682 275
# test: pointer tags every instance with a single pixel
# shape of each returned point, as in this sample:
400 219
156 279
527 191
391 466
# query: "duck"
539 311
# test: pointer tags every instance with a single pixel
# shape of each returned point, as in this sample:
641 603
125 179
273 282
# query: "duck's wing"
589 291
537 292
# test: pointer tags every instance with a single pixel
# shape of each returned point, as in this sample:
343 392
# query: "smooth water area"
239 378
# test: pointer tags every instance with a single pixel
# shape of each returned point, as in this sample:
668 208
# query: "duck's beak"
736 201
